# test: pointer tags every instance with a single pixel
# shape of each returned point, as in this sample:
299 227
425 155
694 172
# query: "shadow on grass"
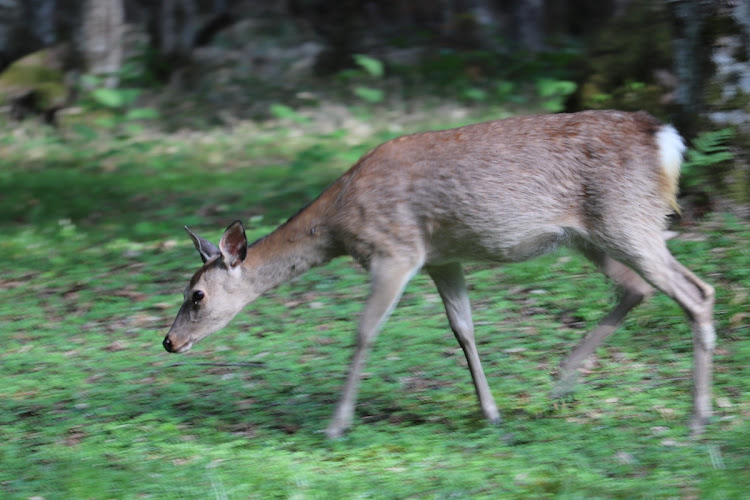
138 200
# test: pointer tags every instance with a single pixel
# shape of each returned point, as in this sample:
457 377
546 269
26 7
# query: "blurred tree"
176 27
102 38
352 26
338 24
691 58
525 24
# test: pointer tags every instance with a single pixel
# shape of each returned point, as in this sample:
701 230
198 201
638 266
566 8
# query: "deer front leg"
449 280
389 278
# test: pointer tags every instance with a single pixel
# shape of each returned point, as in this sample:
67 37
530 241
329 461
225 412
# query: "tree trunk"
179 25
529 18
102 38
691 55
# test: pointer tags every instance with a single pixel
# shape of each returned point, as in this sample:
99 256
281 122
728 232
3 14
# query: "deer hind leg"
449 280
389 278
662 270
634 290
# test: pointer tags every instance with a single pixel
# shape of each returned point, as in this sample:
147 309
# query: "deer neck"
292 249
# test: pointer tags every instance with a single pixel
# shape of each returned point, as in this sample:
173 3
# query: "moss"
39 73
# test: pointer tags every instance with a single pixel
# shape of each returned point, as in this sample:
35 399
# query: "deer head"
215 293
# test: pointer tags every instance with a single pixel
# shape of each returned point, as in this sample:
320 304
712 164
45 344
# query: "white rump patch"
671 147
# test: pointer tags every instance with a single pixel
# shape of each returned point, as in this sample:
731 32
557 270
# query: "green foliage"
709 150
284 112
114 98
372 66
141 114
475 94
487 77
554 93
371 70
369 94
505 90
115 106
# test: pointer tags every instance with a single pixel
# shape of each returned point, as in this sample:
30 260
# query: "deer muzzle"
174 348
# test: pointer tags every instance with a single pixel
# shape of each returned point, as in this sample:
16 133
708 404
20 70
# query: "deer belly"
496 246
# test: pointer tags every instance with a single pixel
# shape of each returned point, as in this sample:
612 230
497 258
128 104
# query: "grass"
92 407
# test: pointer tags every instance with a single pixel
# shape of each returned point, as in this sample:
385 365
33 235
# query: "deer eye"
197 296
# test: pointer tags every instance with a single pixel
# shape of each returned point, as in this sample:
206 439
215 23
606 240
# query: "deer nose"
167 344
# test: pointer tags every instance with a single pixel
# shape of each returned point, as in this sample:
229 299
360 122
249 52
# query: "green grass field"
92 407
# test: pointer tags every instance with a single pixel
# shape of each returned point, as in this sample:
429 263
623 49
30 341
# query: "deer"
602 183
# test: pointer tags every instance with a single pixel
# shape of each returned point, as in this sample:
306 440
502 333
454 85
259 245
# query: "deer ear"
205 248
233 244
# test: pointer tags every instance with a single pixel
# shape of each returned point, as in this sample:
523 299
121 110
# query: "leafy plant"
369 94
118 103
372 66
114 98
508 91
371 69
284 112
709 150
475 94
554 92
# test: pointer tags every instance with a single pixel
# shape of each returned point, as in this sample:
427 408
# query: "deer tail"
671 148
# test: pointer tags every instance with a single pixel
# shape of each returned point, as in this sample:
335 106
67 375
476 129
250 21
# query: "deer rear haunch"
601 182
